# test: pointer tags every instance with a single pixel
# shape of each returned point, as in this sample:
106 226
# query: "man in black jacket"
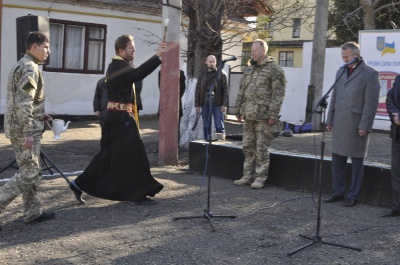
182 88
218 98
393 107
100 99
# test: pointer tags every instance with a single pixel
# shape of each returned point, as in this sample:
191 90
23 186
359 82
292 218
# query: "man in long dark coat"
350 118
393 108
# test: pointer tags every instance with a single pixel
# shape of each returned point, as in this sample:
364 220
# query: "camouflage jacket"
25 100
261 91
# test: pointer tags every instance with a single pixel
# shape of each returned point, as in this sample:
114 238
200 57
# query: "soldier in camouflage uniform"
258 103
23 125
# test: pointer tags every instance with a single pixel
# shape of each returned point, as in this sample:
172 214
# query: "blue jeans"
218 116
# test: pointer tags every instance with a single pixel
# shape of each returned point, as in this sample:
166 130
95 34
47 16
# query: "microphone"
355 60
233 58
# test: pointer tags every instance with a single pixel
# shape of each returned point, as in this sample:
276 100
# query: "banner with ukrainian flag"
384 47
380 49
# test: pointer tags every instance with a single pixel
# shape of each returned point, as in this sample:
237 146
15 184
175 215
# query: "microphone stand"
207 214
45 158
317 238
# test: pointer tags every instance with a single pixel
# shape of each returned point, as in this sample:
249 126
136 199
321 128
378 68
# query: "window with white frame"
76 47
286 59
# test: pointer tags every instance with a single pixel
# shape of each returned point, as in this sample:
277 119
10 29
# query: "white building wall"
298 80
72 94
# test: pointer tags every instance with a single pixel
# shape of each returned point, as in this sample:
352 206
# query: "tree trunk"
369 14
318 58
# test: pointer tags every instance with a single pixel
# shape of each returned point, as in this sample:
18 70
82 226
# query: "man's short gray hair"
353 46
262 43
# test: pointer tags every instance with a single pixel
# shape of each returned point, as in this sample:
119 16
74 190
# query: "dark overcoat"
393 106
353 107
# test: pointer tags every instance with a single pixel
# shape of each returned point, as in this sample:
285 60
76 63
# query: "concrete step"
289 170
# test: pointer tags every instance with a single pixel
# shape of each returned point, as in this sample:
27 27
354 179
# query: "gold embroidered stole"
135 111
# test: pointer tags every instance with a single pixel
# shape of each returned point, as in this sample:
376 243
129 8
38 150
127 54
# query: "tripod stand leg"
318 239
188 217
300 248
199 217
54 166
340 245
45 163
9 165
206 215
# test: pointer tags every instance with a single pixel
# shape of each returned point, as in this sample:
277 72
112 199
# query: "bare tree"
287 10
348 17
209 19
208 22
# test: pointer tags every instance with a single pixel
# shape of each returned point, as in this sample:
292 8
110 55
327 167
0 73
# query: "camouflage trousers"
25 181
256 140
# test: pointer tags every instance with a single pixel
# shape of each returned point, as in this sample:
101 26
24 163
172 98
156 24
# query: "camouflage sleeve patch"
29 77
29 85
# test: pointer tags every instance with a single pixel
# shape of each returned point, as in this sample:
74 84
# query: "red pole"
169 86
169 107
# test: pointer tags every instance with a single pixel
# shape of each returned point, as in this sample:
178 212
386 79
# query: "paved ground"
265 229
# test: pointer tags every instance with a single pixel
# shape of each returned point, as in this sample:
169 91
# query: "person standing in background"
351 115
100 100
393 108
138 91
182 88
258 103
218 99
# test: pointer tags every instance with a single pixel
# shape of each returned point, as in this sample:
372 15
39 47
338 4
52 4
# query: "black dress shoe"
45 216
350 203
392 213
77 193
334 198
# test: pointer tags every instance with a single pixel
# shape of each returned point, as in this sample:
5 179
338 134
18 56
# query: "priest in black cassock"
121 170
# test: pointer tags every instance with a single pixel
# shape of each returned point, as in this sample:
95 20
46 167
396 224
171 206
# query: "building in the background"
291 25
82 35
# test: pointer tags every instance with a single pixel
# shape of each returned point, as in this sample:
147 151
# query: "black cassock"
121 170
